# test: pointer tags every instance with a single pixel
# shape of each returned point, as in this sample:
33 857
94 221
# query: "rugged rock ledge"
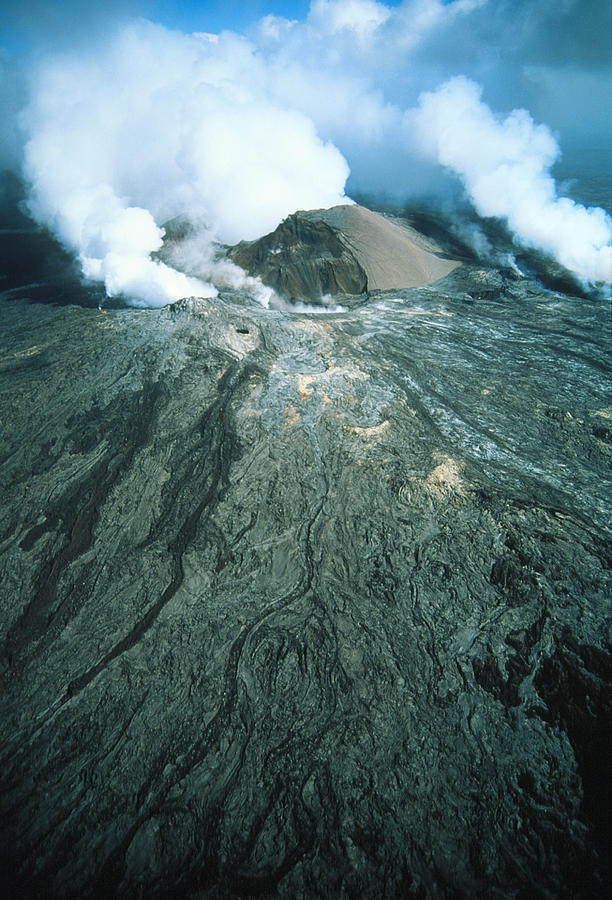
307 606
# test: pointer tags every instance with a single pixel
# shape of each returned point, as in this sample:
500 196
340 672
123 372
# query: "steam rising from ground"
235 133
158 125
505 166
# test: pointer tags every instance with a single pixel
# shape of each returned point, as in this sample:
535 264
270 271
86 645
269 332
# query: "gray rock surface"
305 605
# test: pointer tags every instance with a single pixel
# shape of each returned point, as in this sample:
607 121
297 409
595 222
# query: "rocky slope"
343 250
307 606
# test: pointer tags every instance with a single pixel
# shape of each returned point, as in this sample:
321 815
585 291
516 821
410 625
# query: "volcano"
343 250
307 604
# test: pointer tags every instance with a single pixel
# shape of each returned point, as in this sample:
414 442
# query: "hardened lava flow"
307 604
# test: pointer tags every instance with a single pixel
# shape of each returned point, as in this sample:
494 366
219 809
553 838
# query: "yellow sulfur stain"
292 415
445 477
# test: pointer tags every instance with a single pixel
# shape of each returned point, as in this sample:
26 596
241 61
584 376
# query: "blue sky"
190 15
554 58
35 21
24 22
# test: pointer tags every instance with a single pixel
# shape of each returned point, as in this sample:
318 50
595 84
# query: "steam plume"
235 133
505 166
157 125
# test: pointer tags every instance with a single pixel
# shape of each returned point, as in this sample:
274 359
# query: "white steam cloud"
362 17
233 134
505 166
157 125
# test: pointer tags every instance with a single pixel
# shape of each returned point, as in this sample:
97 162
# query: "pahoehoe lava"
300 605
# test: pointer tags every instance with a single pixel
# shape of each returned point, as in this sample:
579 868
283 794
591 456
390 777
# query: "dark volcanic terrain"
300 605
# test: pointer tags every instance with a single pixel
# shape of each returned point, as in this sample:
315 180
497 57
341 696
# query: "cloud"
234 132
361 17
505 167
415 20
158 124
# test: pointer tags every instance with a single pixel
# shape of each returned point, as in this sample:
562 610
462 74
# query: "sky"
126 114
38 21
552 56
